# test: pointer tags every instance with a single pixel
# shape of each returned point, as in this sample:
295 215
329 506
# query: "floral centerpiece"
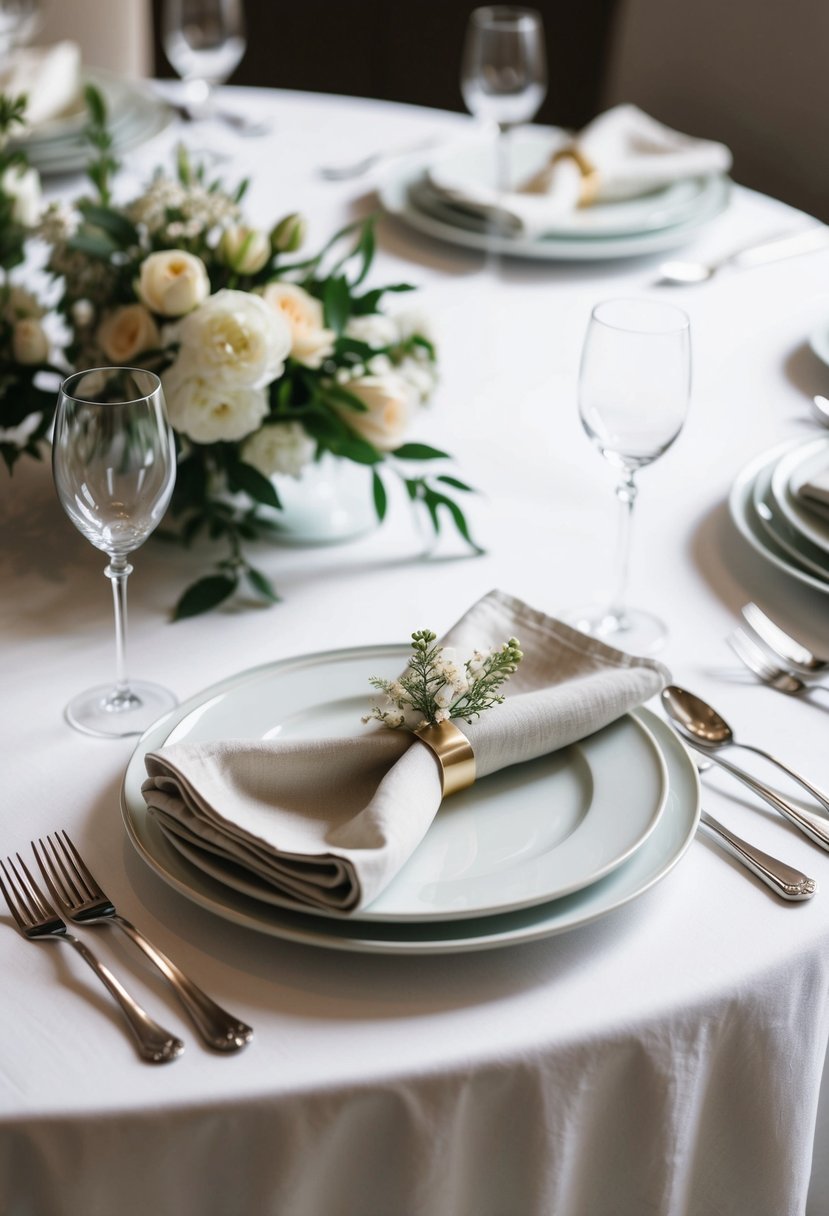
25 406
268 359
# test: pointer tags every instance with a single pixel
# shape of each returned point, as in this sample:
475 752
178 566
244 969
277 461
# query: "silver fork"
36 918
81 897
791 652
758 662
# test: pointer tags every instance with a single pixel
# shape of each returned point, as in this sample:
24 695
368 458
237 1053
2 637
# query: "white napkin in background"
632 153
50 76
330 822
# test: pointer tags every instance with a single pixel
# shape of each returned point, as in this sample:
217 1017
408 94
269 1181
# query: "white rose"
236 340
244 250
209 412
172 282
311 343
22 185
29 341
282 447
126 332
390 404
375 330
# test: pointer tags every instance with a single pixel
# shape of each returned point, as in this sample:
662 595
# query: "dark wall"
410 50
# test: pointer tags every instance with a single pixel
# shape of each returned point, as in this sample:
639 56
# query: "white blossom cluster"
196 210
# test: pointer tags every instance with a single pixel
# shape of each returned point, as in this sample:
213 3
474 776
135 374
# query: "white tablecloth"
665 1060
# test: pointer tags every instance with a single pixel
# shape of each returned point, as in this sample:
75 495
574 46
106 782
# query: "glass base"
109 714
635 631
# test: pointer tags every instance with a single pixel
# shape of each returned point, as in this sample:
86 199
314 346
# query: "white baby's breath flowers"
281 447
311 342
190 209
235 340
436 688
377 330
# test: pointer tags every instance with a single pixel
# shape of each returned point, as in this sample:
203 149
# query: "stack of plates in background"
438 198
135 115
775 512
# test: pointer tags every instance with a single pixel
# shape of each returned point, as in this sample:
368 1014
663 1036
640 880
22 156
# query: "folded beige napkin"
50 76
329 823
632 155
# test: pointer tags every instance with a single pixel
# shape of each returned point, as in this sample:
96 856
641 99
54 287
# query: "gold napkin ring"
454 755
589 173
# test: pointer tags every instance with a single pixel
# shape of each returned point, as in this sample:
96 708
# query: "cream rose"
390 405
281 447
208 412
172 282
311 343
126 332
236 340
245 250
22 185
29 341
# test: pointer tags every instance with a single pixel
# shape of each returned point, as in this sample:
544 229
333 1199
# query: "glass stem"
626 492
503 162
118 571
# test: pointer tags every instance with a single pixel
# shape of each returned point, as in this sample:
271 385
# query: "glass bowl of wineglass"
114 467
205 41
504 73
634 389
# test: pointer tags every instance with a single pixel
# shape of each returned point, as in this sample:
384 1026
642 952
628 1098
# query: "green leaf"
262 584
111 222
358 450
419 451
433 500
207 593
365 248
245 478
336 300
381 501
94 242
341 395
95 104
363 305
456 484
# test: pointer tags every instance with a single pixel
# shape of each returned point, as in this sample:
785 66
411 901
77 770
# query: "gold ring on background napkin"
589 173
454 755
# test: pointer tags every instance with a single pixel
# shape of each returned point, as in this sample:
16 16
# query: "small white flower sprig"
438 688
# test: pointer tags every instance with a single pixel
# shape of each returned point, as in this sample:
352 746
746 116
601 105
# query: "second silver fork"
758 661
83 900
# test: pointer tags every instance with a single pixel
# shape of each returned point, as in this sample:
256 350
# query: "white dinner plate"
468 172
792 470
748 524
523 836
649 865
780 529
401 194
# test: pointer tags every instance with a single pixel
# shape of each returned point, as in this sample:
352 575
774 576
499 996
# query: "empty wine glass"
504 73
634 387
205 42
114 465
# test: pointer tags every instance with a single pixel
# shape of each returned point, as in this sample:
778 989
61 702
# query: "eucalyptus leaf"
381 501
207 593
419 451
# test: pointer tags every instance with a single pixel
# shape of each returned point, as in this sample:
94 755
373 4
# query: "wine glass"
634 387
504 73
205 42
114 466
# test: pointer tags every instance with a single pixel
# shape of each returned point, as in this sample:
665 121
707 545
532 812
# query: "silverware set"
707 732
82 901
774 657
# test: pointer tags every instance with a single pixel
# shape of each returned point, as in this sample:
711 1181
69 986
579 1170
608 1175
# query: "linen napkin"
50 76
631 153
330 822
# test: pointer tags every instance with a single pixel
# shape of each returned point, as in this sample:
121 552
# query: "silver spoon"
686 274
699 722
785 881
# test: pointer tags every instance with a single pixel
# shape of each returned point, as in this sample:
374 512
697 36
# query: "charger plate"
388 932
790 472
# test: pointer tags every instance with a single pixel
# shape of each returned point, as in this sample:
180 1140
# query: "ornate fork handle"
219 1028
155 1044
817 794
784 880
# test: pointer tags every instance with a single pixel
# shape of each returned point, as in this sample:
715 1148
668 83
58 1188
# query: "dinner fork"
36 918
81 897
793 653
758 662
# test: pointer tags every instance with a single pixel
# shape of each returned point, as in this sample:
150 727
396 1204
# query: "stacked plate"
781 508
135 115
534 850
442 199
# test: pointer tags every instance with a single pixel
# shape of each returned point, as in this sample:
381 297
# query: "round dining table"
664 1059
